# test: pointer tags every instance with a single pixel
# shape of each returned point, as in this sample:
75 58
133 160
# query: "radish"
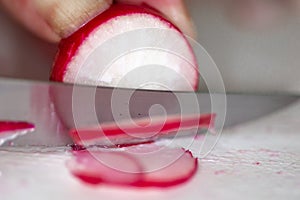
102 167
44 113
10 130
14 126
128 46
131 46
163 166
141 130
139 166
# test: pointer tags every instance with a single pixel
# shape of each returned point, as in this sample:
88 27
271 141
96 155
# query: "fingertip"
25 13
56 19
65 17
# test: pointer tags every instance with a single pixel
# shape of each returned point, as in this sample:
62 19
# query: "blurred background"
255 44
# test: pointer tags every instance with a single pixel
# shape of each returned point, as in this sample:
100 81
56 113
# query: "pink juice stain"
220 172
10 130
257 163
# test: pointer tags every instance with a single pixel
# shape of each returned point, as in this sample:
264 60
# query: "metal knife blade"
55 107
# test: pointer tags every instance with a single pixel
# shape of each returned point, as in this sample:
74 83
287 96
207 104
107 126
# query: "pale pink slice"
10 130
163 166
95 167
141 130
167 50
140 166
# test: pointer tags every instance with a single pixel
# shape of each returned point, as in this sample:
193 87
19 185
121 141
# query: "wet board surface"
259 159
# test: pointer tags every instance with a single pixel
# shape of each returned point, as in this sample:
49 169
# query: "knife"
55 107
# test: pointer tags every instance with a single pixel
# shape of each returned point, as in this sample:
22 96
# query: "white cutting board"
257 160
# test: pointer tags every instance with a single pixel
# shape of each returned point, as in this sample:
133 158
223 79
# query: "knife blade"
55 107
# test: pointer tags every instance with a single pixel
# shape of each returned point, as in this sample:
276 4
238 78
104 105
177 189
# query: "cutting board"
259 159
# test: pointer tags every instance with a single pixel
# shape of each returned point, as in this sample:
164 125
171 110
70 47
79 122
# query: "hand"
56 19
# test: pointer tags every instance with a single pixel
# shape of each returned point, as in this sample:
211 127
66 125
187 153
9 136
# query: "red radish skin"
142 130
74 50
10 130
11 126
135 169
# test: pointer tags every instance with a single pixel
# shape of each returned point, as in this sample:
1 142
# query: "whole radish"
128 46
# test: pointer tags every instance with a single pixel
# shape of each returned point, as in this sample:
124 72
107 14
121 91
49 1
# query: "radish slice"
104 167
14 126
139 166
176 173
141 130
10 130
128 46
163 166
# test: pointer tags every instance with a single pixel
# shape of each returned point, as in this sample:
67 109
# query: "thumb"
54 19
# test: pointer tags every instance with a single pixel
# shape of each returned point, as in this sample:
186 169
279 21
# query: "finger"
24 12
54 19
175 10
66 16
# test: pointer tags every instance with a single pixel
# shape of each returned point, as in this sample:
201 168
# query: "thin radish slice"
14 126
142 130
163 166
139 166
95 167
178 172
128 46
10 130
